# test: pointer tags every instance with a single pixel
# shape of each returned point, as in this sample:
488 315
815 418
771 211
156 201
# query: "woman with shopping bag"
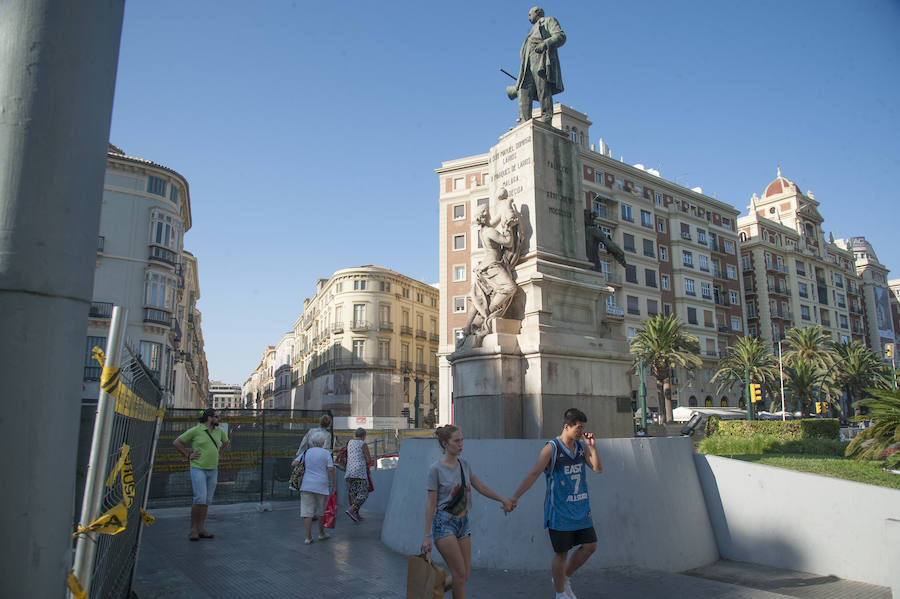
450 482
316 486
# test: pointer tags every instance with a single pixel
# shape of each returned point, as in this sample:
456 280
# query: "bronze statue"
494 287
593 237
539 73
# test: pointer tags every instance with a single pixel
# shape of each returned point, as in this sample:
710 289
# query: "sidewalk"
262 555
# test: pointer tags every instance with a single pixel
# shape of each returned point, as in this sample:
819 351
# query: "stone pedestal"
555 348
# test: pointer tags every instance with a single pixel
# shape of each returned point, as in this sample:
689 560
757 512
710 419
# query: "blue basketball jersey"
567 505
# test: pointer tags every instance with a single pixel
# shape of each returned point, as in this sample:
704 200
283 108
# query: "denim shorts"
204 484
445 524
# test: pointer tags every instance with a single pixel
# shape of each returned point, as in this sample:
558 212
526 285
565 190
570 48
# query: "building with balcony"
680 247
190 373
365 347
793 275
877 294
223 396
142 266
894 286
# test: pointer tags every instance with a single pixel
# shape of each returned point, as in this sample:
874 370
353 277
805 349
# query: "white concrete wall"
647 505
800 521
378 499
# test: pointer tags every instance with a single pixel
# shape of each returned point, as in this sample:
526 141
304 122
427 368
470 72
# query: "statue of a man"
539 74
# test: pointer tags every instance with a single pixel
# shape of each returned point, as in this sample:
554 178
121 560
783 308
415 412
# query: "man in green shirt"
207 442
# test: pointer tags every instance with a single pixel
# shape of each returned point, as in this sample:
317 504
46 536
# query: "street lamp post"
643 399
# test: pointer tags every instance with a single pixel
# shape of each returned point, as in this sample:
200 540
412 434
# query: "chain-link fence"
255 467
137 399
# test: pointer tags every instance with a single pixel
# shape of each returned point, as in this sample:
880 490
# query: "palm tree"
662 343
884 411
857 369
747 353
805 379
812 344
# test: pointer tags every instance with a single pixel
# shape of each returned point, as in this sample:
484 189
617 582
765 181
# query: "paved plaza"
261 555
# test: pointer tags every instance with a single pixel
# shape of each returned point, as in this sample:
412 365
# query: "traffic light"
755 392
889 351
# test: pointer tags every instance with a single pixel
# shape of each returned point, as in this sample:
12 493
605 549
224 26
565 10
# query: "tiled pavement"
261 554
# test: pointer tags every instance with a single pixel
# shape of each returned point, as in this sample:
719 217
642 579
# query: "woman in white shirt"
318 481
357 476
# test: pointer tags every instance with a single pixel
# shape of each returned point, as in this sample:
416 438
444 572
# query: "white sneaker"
567 590
323 536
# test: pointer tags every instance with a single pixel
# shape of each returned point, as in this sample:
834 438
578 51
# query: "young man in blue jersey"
567 507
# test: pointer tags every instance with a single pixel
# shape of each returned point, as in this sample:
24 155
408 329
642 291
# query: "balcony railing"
779 289
855 310
857 329
92 373
101 310
615 311
717 273
360 325
612 277
685 235
605 213
745 266
101 243
434 337
163 255
152 315
405 365
421 334
385 325
826 322
337 327
405 330
783 314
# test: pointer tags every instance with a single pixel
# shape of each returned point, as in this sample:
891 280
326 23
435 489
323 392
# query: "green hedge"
789 430
767 444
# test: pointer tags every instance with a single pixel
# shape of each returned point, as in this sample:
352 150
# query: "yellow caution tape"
98 355
128 403
124 472
147 517
112 522
75 587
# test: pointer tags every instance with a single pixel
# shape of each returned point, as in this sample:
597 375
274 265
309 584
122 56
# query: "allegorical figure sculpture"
539 74
493 285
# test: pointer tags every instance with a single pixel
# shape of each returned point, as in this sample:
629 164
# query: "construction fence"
256 466
112 537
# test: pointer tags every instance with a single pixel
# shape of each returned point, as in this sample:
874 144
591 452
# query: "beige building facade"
877 293
795 276
365 347
142 266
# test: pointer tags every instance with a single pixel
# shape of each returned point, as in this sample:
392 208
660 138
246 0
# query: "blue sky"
309 132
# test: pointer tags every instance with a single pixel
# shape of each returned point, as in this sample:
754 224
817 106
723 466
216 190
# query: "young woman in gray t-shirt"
450 482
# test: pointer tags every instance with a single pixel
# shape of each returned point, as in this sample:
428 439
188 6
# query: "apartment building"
894 286
366 348
793 275
877 294
142 266
223 396
680 247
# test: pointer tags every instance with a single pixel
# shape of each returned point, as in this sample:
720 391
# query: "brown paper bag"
424 579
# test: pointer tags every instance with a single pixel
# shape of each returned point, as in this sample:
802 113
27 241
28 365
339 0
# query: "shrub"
768 444
809 428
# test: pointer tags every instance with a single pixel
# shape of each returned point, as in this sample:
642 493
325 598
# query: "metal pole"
96 470
893 372
416 402
643 400
781 373
747 391
262 457
57 76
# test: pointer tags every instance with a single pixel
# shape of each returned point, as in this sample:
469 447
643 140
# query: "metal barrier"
107 570
255 467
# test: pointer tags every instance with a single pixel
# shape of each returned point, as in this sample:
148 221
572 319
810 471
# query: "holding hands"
509 505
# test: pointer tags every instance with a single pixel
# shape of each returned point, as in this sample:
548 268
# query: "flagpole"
781 374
